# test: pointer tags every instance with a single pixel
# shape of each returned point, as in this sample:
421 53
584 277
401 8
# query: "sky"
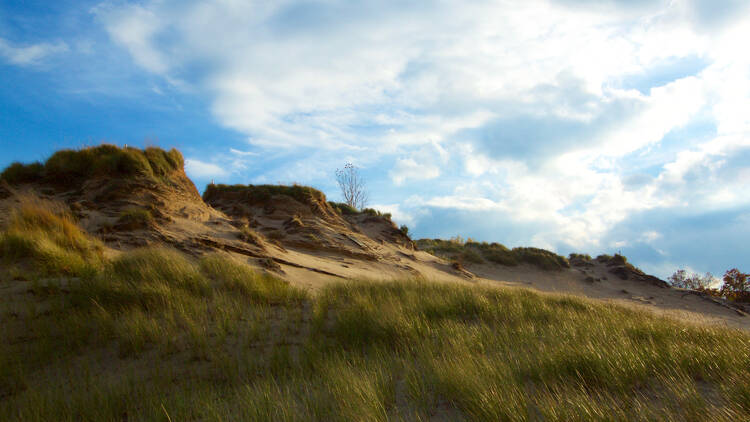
572 125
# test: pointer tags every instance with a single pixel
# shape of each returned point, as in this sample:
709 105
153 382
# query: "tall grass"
153 334
45 233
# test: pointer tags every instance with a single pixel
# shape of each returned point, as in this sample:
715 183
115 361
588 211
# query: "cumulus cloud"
30 54
565 117
202 170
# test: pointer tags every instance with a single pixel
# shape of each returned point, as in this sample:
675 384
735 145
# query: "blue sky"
572 125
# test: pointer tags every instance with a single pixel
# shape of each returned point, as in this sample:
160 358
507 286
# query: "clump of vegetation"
736 285
69 166
541 258
496 252
253 194
603 258
376 213
685 280
18 173
477 252
345 209
45 233
404 229
135 218
249 235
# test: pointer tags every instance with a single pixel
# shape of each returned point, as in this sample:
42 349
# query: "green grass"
254 194
345 209
476 252
44 235
153 334
135 218
67 167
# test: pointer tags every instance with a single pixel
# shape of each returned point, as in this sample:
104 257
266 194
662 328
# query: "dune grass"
67 167
254 194
156 335
135 218
45 234
480 252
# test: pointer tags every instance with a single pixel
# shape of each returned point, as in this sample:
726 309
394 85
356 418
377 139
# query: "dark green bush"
22 173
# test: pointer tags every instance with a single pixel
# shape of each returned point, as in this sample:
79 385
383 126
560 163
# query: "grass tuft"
45 232
68 167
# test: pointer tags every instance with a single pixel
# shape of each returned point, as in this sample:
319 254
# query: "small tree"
693 281
736 285
352 186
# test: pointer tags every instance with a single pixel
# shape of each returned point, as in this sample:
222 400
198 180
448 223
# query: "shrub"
736 285
404 230
692 281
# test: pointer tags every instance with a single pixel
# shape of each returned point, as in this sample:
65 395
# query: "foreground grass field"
155 335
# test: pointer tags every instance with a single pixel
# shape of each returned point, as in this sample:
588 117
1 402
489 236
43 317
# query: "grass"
153 334
254 194
251 236
67 167
345 209
476 252
43 234
135 218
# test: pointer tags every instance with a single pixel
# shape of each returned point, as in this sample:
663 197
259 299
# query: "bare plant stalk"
352 186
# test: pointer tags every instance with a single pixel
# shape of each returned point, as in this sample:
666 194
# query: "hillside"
125 295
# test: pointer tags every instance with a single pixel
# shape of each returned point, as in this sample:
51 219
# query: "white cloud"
134 27
31 54
398 214
523 110
202 170
242 153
